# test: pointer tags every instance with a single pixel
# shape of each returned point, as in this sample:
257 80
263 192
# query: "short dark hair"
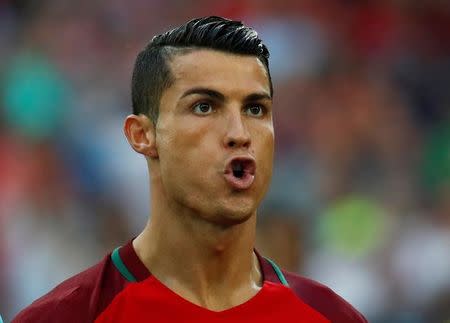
152 74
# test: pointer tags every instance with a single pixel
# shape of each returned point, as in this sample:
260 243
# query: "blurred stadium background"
360 197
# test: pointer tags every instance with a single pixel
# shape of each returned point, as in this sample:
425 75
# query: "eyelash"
262 107
203 102
249 106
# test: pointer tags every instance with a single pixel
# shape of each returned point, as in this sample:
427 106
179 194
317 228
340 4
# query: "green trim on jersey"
117 261
278 272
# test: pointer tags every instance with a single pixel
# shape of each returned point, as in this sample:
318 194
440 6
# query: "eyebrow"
257 97
204 91
219 96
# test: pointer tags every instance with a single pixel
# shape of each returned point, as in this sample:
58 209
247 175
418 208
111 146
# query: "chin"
235 213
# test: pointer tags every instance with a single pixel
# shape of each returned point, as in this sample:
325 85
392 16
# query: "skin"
200 237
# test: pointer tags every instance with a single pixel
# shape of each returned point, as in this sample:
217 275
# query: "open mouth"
240 172
238 169
242 166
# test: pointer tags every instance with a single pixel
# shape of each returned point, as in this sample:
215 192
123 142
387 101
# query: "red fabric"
151 301
101 288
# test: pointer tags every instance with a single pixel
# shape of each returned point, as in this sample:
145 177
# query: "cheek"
263 142
186 146
268 160
265 153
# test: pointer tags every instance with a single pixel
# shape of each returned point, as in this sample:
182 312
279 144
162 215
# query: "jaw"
237 207
207 195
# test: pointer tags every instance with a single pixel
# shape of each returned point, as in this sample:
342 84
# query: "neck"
211 265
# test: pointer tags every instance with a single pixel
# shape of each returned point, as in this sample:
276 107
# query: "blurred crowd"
360 196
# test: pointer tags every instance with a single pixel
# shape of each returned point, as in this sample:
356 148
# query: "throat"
209 265
220 294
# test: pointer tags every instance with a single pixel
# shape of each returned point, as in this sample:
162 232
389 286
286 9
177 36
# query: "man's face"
214 135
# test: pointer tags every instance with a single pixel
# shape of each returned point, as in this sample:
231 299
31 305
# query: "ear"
140 133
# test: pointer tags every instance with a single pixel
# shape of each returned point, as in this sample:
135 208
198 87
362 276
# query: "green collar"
119 264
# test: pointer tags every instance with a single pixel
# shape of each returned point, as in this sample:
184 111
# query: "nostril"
231 144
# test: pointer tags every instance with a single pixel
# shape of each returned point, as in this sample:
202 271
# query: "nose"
236 135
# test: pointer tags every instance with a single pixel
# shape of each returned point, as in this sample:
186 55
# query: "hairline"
170 52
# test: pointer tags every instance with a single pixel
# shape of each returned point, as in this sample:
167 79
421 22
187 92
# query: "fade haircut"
152 74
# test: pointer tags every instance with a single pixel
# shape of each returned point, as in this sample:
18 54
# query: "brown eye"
203 108
255 110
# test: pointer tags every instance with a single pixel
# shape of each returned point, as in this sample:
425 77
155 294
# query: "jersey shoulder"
77 299
323 299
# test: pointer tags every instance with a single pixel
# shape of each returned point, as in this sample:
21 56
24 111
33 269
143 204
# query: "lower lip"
242 183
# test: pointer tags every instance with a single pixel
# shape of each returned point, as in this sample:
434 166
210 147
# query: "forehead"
226 72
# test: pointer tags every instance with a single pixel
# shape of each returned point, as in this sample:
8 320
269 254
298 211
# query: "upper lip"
248 162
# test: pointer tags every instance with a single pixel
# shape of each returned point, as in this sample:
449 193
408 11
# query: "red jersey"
121 289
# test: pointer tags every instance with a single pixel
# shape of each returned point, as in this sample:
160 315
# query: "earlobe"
140 133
